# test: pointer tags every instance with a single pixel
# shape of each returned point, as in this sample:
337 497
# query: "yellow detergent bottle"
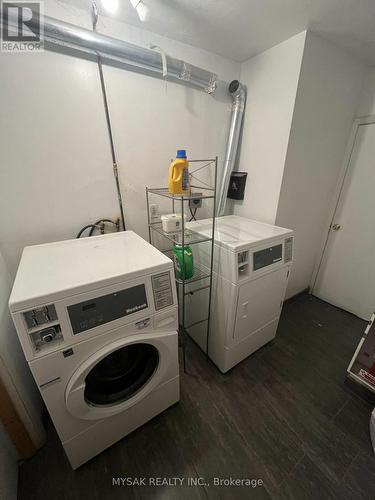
178 180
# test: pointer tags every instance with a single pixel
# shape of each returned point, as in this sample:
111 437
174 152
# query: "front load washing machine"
97 320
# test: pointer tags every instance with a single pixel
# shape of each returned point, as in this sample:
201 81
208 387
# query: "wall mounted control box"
237 184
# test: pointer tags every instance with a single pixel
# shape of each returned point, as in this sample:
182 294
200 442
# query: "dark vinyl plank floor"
284 415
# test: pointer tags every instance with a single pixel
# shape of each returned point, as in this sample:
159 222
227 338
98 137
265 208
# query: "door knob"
336 227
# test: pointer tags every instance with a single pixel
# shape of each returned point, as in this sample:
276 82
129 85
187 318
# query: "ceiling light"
110 6
141 8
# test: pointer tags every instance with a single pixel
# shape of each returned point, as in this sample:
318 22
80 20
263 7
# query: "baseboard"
306 291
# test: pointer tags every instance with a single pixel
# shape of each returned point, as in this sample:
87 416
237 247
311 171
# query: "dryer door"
259 302
117 376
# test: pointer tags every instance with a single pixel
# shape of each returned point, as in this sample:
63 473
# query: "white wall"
367 100
56 171
14 371
294 140
271 79
327 99
8 467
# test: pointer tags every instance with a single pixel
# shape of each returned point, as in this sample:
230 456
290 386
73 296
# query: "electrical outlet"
195 202
154 211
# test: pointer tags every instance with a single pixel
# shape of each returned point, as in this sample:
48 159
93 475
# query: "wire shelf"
198 275
190 237
182 197
197 323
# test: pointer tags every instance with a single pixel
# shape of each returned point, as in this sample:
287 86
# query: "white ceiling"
350 24
239 29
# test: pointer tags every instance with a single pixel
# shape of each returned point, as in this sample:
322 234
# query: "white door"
346 277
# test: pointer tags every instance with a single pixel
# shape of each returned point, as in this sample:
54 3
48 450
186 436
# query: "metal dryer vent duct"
238 93
64 34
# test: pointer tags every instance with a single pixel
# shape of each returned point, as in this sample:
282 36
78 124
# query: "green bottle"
178 261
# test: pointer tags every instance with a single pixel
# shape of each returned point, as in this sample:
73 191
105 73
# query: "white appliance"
252 262
97 320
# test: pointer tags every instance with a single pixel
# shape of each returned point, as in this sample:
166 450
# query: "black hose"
95 225
84 229
98 222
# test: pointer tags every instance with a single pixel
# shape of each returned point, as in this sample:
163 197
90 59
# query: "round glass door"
121 374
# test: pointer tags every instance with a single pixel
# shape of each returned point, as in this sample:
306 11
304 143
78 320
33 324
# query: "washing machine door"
117 376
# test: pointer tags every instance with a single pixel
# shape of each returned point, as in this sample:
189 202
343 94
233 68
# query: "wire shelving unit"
202 277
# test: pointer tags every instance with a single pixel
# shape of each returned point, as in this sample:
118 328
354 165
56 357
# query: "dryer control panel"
263 258
267 256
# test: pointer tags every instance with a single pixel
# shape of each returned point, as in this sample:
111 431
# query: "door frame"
344 171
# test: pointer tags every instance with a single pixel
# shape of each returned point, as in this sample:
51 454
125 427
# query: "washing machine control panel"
51 326
100 310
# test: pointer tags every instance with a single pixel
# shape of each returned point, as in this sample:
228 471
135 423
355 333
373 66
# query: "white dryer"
252 262
97 320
